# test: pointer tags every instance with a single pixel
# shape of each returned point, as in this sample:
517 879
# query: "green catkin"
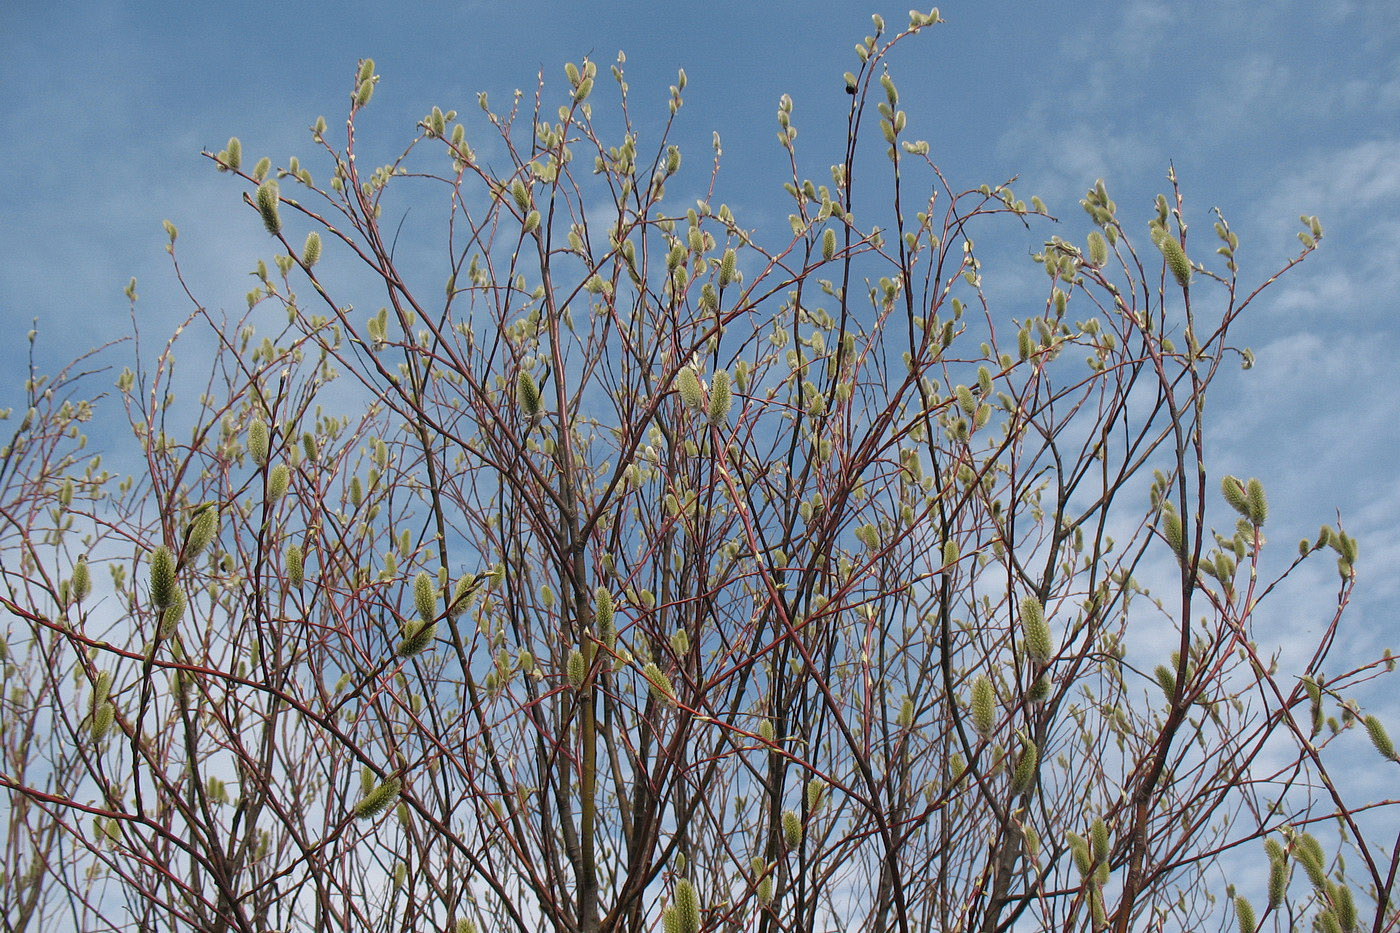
233 154
1172 530
200 533
267 200
311 252
659 683
1258 505
295 564
1278 881
378 800
1035 630
728 267
1098 834
828 244
462 594
278 479
417 636
1310 856
1244 911
102 721
984 711
576 668
171 615
1233 490
162 577
1345 907
1379 737
258 447
688 385
1098 249
1177 262
1079 849
1166 680
816 792
720 399
687 907
425 596
521 194
82 579
603 610
1024 774
792 829
527 394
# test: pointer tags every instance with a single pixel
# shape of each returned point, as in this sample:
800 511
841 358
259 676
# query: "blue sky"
1268 109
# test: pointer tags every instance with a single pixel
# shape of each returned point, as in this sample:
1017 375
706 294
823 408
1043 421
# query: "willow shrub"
608 567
